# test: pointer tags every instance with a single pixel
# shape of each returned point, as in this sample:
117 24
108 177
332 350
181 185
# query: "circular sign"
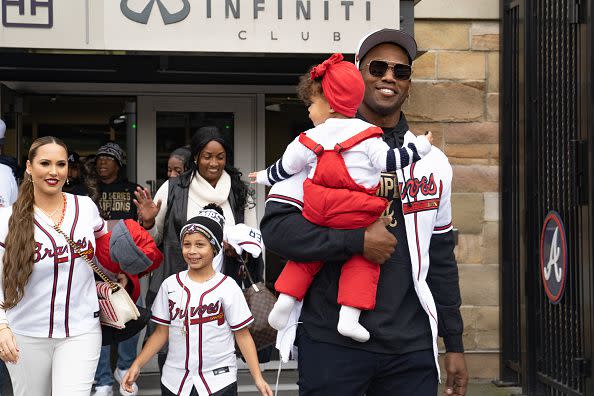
553 256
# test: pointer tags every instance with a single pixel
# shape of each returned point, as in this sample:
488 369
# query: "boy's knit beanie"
210 223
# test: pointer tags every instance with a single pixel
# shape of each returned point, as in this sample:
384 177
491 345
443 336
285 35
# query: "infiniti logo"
144 15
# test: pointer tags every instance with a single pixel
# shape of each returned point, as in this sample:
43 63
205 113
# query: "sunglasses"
378 68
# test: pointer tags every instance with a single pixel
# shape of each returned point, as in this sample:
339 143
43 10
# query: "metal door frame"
518 249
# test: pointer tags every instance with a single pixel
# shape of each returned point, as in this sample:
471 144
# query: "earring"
67 182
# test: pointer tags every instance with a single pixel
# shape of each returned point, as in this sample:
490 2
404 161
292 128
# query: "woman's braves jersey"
60 298
201 319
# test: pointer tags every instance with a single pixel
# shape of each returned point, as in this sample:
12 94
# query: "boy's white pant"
55 366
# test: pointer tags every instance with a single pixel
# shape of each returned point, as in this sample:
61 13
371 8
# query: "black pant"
229 390
329 369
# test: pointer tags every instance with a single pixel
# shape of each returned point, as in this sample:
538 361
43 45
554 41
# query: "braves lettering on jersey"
60 299
201 318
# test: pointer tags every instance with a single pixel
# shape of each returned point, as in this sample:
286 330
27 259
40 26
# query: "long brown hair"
20 241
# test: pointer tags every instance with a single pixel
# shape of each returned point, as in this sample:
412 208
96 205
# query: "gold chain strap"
113 286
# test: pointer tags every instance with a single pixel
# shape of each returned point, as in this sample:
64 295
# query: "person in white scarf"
211 179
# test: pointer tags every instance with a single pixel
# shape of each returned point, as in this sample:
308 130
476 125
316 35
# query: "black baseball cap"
398 37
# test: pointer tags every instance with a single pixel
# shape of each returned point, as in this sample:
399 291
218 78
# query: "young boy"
202 313
345 156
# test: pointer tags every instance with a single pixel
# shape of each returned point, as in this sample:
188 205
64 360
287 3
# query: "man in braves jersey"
418 294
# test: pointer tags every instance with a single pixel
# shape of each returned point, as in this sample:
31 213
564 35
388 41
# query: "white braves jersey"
8 186
60 298
425 191
201 319
364 161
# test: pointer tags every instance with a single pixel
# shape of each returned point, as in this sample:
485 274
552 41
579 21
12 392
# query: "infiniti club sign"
301 26
216 26
553 257
303 9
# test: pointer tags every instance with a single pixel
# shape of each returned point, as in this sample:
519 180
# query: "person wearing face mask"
210 179
49 313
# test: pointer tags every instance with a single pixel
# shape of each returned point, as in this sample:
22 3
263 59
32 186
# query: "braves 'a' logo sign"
144 15
553 264
553 257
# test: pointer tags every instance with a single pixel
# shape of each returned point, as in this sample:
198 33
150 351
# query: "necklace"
52 214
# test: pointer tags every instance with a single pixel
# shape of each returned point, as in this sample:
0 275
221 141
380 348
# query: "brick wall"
455 94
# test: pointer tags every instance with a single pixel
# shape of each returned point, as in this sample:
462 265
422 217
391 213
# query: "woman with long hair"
210 179
49 322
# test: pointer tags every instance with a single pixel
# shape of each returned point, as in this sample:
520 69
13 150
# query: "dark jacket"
398 324
175 218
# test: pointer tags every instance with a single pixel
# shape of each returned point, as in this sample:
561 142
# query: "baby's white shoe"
279 316
348 324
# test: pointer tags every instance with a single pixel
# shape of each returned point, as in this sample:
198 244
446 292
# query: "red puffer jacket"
128 248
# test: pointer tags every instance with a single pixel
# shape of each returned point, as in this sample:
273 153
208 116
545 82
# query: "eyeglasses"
378 68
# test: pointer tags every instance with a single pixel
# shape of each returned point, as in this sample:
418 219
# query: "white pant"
55 366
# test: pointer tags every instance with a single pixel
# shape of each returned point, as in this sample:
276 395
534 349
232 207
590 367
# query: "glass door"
167 123
175 130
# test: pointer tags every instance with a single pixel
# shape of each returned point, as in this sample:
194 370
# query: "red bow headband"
342 84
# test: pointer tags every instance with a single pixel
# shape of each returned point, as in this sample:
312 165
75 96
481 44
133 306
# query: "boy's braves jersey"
201 319
60 298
